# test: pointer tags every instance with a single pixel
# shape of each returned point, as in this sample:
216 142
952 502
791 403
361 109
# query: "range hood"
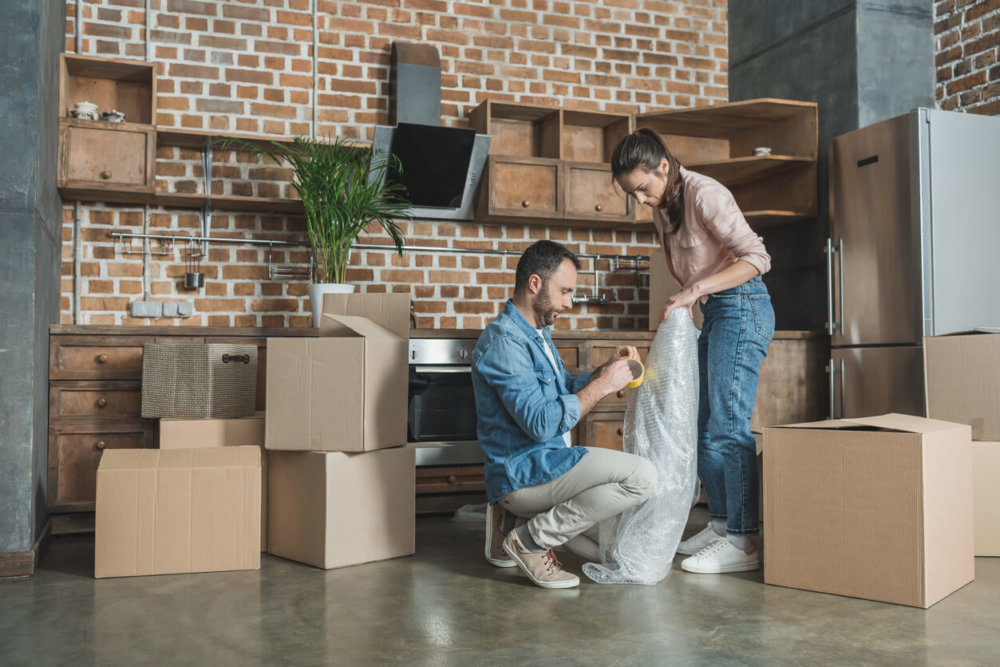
441 166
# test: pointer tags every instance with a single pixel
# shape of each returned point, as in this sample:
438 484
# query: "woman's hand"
686 298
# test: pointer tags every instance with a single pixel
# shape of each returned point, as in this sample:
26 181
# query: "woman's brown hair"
644 148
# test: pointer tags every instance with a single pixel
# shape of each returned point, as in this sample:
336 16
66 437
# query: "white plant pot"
316 292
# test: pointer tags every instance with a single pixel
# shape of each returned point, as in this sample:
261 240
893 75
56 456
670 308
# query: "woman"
718 260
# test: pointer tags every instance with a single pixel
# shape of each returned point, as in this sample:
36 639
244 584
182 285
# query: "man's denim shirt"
524 407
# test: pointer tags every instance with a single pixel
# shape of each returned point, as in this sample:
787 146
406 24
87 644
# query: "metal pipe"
146 236
149 23
77 249
315 45
363 246
76 27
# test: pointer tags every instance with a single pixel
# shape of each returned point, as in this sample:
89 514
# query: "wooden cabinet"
549 165
446 488
721 141
98 158
602 429
95 403
523 187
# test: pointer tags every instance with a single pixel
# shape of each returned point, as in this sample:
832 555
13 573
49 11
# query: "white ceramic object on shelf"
316 292
84 110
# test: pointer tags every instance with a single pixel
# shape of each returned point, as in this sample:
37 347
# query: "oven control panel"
440 351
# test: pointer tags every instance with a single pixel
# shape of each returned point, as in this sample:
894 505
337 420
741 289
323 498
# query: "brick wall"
967 42
246 66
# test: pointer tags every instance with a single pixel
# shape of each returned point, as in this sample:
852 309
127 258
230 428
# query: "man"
527 404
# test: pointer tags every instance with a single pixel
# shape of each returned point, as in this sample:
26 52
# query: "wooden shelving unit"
551 166
719 141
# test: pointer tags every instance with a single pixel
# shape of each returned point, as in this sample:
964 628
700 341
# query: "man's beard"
544 312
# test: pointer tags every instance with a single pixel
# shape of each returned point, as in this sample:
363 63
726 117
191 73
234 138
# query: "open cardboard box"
345 390
877 508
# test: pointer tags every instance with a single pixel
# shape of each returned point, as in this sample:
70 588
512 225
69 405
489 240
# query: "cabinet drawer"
96 358
75 452
603 429
527 187
104 155
450 479
591 195
95 399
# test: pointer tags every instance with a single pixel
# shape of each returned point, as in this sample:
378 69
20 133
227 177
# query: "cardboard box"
986 497
331 509
962 381
192 433
389 311
344 391
182 510
877 508
662 286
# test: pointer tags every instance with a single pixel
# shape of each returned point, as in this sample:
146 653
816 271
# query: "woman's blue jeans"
737 328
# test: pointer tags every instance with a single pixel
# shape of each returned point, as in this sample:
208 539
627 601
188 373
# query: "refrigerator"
914 251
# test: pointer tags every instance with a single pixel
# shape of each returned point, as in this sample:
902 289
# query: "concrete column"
861 61
31 38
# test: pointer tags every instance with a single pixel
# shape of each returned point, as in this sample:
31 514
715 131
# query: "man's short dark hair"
542 258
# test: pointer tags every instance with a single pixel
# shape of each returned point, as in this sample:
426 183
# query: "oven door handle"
442 369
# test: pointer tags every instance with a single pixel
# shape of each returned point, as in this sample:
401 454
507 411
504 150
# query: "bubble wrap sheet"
661 424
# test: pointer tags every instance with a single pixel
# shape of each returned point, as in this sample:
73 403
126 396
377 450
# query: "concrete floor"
447 606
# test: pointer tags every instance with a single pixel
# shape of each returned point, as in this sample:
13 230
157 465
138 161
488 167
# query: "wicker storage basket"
191 381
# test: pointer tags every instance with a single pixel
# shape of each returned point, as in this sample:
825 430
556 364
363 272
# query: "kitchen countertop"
111 330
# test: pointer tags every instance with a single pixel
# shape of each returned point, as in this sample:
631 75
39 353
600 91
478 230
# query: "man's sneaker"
542 567
722 556
496 530
699 541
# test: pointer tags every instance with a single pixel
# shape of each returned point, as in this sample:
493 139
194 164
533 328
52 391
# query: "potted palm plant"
344 188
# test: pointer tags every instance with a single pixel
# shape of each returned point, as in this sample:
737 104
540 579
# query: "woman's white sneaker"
699 541
722 556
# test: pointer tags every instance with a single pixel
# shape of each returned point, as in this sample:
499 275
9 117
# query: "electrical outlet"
146 309
170 309
185 309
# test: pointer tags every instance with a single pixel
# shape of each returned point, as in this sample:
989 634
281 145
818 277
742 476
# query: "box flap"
888 422
348 325
968 332
390 311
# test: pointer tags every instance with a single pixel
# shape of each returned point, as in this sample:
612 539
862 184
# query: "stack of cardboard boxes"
962 384
322 478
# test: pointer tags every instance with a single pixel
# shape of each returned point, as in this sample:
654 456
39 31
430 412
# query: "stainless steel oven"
441 410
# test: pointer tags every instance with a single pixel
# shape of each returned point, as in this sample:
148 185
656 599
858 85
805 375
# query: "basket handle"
245 358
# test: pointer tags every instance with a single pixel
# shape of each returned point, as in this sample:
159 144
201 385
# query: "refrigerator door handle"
831 370
841 389
840 286
829 294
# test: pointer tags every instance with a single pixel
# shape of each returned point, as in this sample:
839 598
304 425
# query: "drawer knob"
525 204
621 393
620 433
100 445
106 174
452 479
101 402
102 358
598 208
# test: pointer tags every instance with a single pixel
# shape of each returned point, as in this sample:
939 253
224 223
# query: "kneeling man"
543 492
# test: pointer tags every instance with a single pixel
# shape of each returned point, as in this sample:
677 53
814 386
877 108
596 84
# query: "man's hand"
614 376
624 352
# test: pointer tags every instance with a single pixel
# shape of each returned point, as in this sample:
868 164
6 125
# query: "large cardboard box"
877 508
183 510
662 286
347 389
331 509
986 497
193 433
962 381
344 391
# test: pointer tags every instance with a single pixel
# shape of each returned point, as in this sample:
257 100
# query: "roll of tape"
637 373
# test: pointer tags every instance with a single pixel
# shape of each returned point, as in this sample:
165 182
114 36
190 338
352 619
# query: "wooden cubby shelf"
547 165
